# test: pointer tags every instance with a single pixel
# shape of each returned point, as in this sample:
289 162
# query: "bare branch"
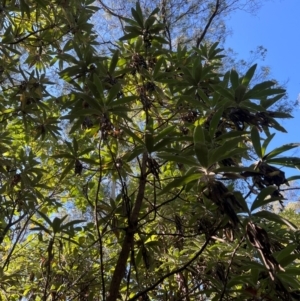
214 14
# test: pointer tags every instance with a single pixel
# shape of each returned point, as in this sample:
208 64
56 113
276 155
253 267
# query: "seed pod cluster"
218 193
145 100
153 167
147 38
16 179
106 126
190 116
258 237
87 123
78 167
240 116
138 63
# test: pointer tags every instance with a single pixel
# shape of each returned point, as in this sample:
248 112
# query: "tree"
149 145
184 22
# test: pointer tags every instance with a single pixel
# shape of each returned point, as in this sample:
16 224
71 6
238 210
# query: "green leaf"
199 136
113 62
129 36
164 133
226 150
121 101
239 93
255 138
293 178
63 155
225 92
149 22
179 182
45 217
25 8
75 146
178 159
267 102
201 152
286 252
56 224
290 258
261 198
158 67
68 168
215 122
286 161
234 79
249 75
149 141
131 134
277 126
130 155
40 227
138 15
113 92
280 150
265 144
72 223
274 218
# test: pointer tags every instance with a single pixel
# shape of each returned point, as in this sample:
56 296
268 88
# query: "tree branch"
176 270
129 236
214 14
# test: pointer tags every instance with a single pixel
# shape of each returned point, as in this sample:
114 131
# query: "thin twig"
176 270
214 14
229 266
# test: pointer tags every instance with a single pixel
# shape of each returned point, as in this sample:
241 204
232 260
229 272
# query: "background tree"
146 145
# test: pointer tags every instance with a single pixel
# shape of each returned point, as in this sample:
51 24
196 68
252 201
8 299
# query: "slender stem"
129 236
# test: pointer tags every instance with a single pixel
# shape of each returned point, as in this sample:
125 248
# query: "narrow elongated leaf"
239 93
249 75
179 182
63 155
121 101
135 153
280 150
267 102
178 159
129 36
234 79
261 198
293 178
265 144
215 122
224 150
255 138
276 125
137 15
75 146
40 227
113 62
72 223
274 218
225 92
201 152
286 161
286 252
199 136
68 168
162 134
288 260
232 134
45 218
113 92
131 134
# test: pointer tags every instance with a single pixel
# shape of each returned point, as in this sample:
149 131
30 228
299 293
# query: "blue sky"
276 27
